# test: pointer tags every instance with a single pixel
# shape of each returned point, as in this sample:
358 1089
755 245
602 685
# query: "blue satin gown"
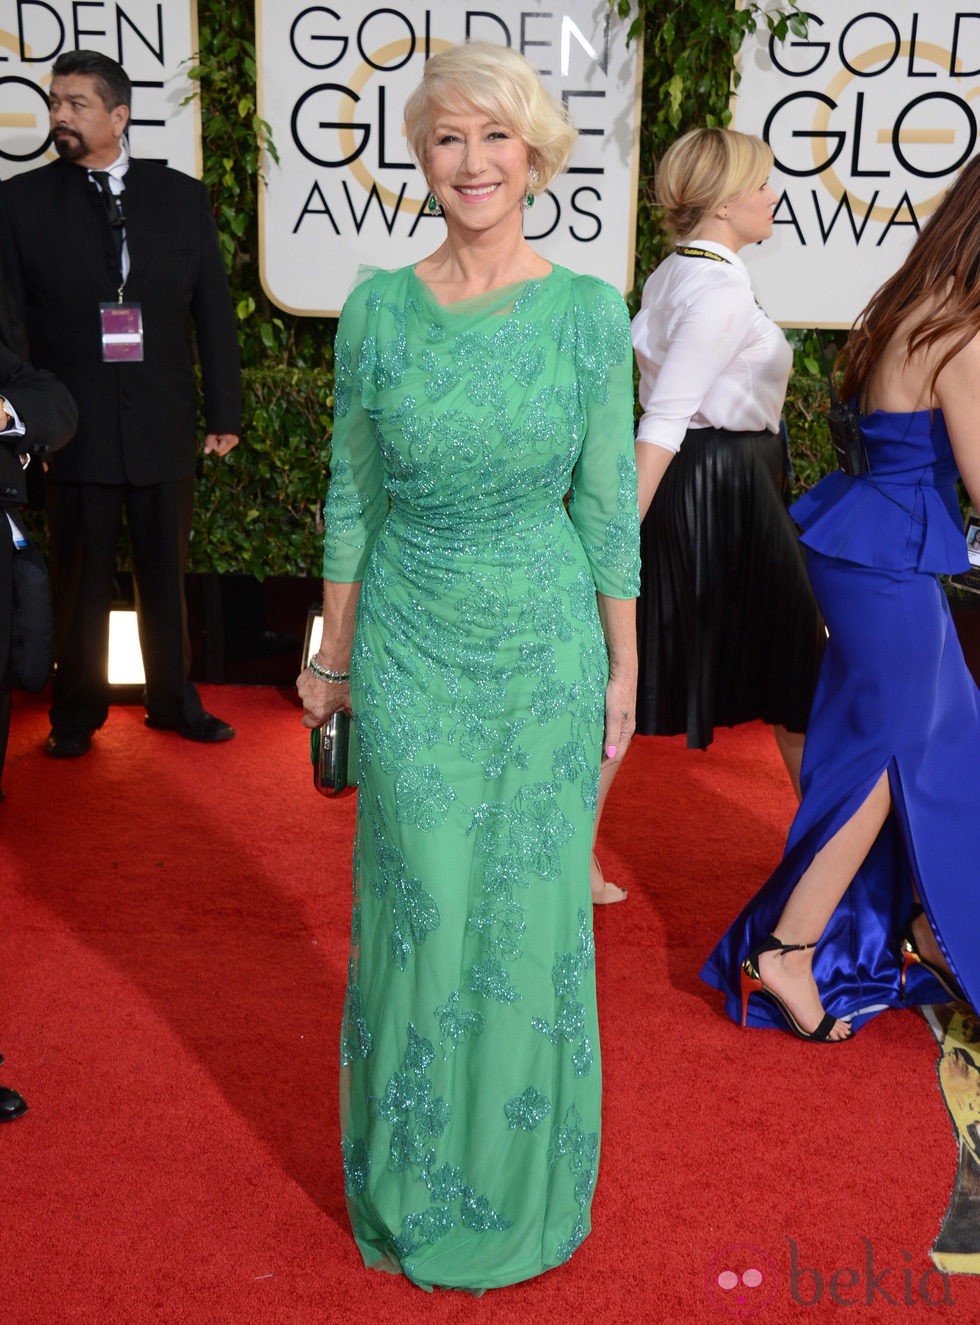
894 695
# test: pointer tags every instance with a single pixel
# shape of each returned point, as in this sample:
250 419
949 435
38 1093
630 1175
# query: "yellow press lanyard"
688 251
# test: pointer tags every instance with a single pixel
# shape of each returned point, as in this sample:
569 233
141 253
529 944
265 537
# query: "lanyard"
689 251
116 219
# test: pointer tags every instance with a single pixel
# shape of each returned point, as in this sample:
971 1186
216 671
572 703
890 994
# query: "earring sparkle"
434 206
533 175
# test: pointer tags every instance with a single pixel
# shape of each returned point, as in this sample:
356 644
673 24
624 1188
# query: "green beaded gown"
470 1075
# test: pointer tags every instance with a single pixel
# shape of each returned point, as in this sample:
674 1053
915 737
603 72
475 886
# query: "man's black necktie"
113 211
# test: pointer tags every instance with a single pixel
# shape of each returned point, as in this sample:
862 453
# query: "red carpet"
173 947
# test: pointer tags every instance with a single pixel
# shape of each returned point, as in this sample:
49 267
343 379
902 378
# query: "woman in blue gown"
874 902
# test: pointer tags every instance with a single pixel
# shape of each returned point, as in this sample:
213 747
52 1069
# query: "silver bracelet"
326 674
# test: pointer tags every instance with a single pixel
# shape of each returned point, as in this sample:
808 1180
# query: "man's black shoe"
12 1105
205 728
68 742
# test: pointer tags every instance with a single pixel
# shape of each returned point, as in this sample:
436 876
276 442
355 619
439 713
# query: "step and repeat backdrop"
870 117
332 84
156 44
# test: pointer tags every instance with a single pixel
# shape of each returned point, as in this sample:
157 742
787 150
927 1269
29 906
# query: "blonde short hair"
703 170
500 83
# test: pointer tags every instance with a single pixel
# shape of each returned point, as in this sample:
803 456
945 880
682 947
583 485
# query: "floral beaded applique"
527 1110
357 1165
414 910
567 973
355 1038
580 1149
456 1024
417 1119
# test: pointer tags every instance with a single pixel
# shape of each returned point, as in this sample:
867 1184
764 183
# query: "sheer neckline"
501 299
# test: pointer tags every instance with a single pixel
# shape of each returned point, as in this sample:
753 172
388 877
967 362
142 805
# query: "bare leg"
812 903
790 746
603 891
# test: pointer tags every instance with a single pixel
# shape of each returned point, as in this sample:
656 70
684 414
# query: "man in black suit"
108 259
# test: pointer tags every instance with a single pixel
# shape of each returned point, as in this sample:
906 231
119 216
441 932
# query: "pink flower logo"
740 1280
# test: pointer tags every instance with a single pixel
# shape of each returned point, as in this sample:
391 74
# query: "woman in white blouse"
729 630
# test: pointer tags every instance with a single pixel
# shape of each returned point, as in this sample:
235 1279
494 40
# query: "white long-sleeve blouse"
709 357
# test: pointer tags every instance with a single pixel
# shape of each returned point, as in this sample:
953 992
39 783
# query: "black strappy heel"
752 983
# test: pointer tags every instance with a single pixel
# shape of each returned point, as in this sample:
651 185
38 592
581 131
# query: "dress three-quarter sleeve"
356 499
603 505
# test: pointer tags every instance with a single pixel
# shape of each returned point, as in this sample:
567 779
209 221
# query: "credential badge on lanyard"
122 323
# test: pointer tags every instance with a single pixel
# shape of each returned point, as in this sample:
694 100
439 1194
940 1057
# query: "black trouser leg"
159 519
84 521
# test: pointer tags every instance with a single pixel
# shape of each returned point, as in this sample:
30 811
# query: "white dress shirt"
117 176
708 355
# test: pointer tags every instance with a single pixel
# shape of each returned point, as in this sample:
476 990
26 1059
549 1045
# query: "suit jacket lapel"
75 196
140 225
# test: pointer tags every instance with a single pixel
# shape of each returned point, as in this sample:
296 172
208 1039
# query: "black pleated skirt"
729 630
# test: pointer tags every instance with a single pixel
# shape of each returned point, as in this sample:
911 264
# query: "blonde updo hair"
705 169
502 84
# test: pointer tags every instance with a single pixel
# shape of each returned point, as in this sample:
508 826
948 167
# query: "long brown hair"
945 261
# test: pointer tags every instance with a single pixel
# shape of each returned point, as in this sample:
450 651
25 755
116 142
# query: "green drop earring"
533 175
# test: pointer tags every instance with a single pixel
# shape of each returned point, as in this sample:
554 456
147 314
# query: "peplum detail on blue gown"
903 515
894 694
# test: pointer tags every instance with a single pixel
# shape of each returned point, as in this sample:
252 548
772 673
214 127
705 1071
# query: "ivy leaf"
675 91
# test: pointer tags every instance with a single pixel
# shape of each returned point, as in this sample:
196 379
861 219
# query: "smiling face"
477 168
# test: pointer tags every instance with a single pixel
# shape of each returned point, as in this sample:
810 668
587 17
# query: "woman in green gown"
480 629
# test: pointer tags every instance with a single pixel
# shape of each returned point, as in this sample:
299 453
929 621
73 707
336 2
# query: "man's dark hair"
111 80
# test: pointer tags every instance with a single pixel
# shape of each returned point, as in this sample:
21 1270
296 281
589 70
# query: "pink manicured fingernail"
610 752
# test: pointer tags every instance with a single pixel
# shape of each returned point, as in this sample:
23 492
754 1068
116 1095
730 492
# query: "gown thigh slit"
894 695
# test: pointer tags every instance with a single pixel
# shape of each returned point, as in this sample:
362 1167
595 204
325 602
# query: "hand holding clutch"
330 753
